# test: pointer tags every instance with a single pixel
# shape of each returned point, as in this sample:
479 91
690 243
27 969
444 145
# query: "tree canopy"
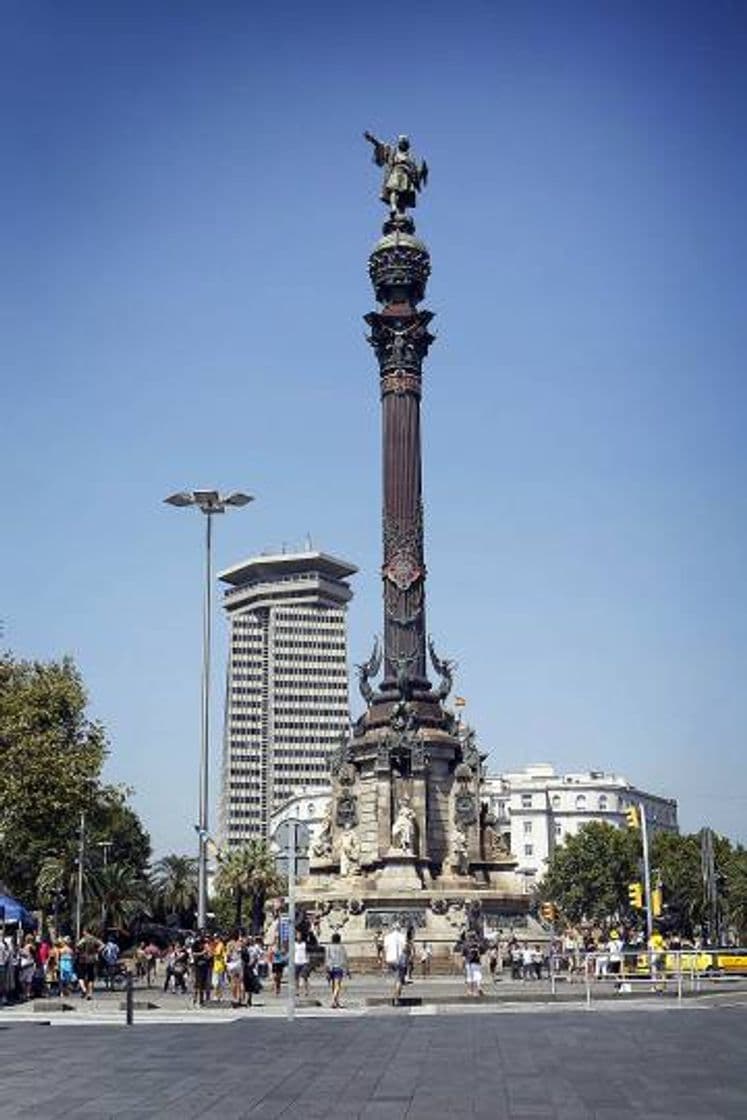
249 873
174 881
51 757
588 877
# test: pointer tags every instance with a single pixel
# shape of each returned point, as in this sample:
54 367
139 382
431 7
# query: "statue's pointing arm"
381 151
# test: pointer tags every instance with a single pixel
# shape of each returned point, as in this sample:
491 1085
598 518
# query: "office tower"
287 687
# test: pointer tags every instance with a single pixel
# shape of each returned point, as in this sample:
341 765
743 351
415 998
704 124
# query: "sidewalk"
365 996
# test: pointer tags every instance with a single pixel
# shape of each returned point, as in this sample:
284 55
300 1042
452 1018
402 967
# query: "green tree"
121 894
112 821
735 890
174 880
676 860
249 874
50 759
51 755
588 876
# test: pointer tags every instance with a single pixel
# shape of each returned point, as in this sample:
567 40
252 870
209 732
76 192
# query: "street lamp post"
105 845
208 502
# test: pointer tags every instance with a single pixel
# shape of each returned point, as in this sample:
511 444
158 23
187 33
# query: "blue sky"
188 208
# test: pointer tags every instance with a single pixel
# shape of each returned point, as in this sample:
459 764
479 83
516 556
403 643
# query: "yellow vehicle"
721 962
730 962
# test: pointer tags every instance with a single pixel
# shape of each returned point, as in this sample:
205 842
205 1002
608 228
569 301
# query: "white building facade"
287 702
308 805
537 809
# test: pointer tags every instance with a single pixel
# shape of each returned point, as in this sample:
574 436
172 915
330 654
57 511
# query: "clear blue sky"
188 207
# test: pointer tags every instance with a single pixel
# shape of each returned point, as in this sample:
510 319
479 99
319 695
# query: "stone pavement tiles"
564 1066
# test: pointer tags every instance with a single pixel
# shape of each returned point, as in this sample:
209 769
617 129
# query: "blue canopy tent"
13 912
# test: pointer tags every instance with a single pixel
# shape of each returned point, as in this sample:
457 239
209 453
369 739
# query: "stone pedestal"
400 872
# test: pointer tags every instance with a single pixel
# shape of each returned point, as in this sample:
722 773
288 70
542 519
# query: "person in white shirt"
615 953
395 956
301 963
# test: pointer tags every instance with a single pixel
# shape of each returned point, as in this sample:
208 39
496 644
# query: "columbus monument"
406 836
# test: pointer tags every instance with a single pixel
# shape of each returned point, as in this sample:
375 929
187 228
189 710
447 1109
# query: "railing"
665 972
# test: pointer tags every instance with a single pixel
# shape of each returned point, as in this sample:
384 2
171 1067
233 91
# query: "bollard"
587 980
129 1009
679 977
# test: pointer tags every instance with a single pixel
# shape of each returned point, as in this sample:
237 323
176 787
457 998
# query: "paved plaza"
566 1065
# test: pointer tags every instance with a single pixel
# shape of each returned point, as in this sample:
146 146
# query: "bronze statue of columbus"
403 178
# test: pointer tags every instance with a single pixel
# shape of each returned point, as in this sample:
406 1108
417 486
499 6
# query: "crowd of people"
209 967
235 967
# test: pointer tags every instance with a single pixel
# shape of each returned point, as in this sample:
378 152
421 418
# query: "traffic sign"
282 836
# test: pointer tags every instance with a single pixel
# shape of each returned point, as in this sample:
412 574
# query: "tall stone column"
399 267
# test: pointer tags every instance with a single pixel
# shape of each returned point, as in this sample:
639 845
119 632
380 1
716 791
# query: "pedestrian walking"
395 955
235 970
301 965
336 963
220 962
279 961
66 966
87 954
473 967
379 947
250 957
201 963
110 959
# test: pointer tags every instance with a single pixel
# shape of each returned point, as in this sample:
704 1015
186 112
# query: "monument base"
437 917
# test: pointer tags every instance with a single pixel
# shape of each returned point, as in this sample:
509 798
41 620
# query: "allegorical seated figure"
403 829
403 178
350 853
322 846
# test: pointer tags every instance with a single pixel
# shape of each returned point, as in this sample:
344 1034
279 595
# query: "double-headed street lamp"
208 502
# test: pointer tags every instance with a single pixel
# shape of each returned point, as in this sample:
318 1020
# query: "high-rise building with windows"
287 689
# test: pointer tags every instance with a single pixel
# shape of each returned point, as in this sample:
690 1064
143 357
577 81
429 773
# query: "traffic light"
635 895
548 911
656 901
631 816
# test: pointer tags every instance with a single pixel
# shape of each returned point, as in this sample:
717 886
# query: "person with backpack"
473 966
110 960
87 954
250 956
279 961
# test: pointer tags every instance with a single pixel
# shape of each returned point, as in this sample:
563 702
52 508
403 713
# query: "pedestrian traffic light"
548 911
656 901
635 895
631 816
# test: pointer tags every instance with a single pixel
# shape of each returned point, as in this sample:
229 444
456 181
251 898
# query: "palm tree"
121 892
57 880
249 872
175 880
52 883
